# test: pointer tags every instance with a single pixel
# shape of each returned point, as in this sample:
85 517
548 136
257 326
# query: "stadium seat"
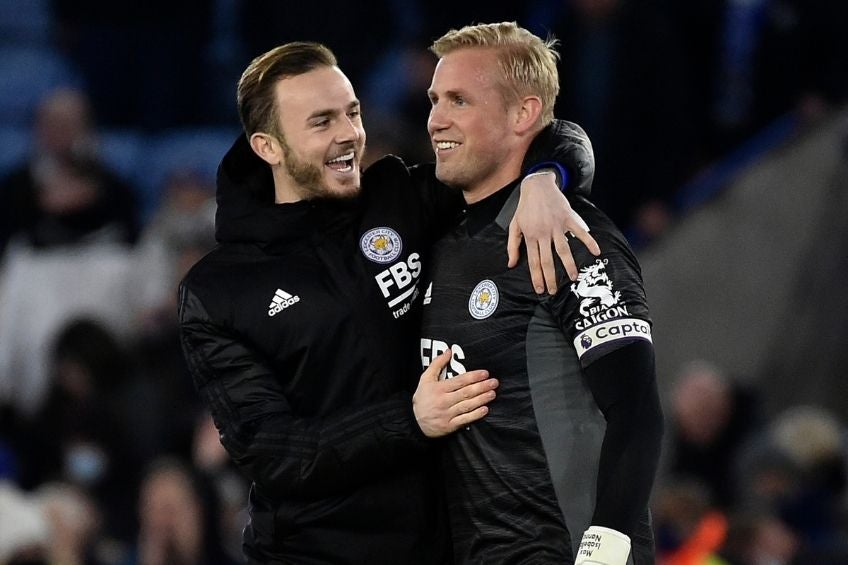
26 75
14 144
25 24
196 149
122 150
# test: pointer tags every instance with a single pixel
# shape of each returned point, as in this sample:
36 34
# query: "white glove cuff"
603 546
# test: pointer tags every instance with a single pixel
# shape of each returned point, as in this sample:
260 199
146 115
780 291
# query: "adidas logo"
428 295
281 301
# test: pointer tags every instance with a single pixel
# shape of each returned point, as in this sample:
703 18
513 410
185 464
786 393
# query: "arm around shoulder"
564 144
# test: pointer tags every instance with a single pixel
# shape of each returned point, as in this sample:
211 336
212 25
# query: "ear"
267 147
527 116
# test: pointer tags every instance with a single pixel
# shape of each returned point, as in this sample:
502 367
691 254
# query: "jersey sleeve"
605 314
623 384
606 307
283 453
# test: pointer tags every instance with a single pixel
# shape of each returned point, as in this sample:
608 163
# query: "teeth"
340 158
446 144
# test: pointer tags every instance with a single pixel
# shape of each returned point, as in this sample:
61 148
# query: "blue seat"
26 24
26 76
14 146
122 150
195 149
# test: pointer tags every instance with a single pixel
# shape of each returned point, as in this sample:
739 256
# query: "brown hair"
255 95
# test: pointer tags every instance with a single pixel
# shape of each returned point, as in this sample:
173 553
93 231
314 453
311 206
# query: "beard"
304 173
309 177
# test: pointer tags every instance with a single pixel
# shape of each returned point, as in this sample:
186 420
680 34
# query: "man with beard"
300 327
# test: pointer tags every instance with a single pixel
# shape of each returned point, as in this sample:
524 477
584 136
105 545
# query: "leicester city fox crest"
381 245
483 300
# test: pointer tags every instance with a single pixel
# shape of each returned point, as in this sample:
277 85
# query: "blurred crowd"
737 486
664 88
107 456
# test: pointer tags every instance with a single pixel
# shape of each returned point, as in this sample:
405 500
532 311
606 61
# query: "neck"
505 174
285 191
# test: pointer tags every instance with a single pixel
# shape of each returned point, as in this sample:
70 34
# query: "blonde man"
561 468
300 327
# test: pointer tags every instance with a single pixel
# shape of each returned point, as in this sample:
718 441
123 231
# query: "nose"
438 119
349 130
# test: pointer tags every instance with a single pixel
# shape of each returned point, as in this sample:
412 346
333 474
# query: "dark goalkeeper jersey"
521 483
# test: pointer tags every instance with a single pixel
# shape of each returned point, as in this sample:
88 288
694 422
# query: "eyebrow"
331 112
448 93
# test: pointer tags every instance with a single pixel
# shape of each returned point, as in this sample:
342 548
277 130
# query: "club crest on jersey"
381 245
484 300
594 288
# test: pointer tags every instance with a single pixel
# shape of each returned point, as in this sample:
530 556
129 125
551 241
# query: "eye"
354 113
322 123
459 101
433 99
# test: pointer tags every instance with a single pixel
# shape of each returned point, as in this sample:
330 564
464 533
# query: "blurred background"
720 130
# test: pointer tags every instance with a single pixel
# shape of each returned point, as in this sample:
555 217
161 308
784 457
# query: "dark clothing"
576 370
300 330
714 463
113 212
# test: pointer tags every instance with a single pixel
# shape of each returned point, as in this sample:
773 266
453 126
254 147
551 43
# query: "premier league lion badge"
381 245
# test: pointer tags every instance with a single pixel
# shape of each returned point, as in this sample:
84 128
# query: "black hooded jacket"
300 330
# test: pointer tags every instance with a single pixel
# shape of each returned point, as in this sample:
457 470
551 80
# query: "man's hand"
443 406
543 217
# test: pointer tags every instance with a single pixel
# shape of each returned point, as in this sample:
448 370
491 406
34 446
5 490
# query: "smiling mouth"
342 163
446 145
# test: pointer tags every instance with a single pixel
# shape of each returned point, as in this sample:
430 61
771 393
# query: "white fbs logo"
281 301
594 287
432 348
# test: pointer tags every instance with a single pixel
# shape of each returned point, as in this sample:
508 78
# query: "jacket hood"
246 211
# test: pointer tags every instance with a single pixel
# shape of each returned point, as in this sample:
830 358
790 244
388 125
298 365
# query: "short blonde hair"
528 63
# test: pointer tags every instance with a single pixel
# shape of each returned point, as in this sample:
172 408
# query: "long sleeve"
623 384
565 143
605 314
284 453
